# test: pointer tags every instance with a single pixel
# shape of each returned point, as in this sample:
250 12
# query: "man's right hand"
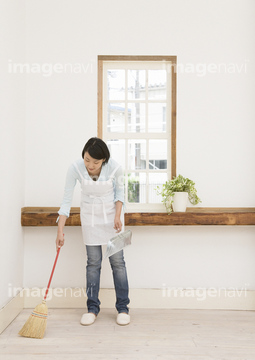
60 241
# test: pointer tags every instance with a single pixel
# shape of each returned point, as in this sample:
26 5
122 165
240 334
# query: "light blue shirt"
72 176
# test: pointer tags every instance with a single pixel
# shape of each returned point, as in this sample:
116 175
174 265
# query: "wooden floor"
151 335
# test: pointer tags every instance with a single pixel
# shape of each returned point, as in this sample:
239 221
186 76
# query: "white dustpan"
117 243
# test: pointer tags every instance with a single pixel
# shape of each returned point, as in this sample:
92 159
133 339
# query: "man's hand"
60 241
117 224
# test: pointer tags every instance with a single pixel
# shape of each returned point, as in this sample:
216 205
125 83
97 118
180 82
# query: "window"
137 120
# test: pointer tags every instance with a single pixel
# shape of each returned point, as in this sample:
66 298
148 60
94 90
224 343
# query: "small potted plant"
176 193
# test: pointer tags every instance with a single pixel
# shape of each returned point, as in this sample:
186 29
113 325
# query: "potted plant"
176 192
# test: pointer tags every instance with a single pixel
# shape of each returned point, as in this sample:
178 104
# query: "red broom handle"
45 296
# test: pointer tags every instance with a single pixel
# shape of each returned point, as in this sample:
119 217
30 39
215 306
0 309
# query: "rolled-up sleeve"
71 179
119 194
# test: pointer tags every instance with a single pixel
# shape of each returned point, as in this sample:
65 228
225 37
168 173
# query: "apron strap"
93 211
76 166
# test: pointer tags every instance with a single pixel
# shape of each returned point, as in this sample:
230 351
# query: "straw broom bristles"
35 325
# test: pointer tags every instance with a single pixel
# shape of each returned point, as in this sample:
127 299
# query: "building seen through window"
137 125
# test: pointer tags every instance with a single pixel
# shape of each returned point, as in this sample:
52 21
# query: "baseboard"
10 311
165 298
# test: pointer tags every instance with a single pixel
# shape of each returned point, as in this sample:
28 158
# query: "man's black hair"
97 149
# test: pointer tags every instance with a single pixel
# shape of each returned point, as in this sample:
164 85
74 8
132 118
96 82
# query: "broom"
36 323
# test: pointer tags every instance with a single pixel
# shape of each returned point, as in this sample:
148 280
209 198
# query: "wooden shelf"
47 216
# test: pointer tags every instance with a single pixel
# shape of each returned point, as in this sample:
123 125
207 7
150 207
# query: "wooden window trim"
173 59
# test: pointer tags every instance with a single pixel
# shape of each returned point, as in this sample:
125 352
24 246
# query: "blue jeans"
94 260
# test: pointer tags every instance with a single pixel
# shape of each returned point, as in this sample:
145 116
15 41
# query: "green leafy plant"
177 184
133 189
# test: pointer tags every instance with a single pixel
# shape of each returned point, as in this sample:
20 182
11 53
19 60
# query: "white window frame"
144 63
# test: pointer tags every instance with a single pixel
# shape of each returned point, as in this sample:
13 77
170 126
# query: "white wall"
12 147
215 130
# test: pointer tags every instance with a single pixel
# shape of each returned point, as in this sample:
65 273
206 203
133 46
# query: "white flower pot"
180 201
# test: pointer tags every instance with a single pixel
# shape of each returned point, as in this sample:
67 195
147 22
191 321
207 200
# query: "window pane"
154 181
136 154
136 188
157 84
157 154
136 117
116 117
136 84
117 150
157 117
116 84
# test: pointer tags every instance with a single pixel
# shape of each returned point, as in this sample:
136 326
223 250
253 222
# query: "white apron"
97 210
